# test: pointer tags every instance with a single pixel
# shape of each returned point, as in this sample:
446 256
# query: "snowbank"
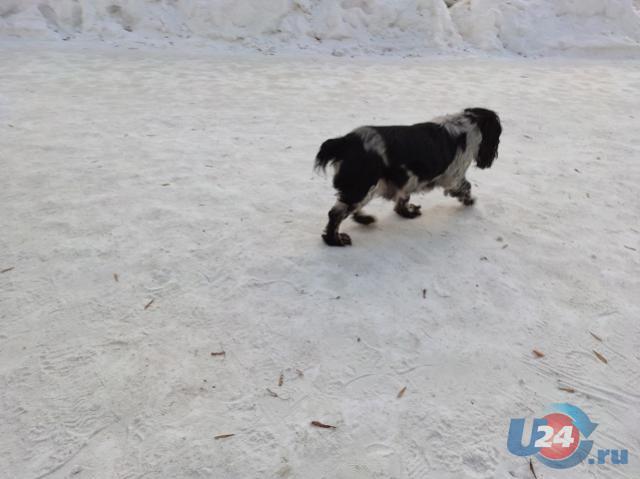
548 26
347 26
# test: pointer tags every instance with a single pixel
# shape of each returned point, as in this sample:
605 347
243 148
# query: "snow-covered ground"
340 27
157 207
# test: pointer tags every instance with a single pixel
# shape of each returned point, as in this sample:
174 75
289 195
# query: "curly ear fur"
489 124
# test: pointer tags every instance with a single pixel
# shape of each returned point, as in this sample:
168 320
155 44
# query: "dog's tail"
333 151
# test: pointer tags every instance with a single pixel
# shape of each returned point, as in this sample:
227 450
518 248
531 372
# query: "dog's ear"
489 124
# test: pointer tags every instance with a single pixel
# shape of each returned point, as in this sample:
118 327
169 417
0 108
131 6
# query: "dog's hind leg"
462 192
339 212
358 215
356 181
332 235
405 209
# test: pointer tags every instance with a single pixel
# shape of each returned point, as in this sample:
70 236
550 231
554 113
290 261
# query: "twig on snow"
322 425
600 357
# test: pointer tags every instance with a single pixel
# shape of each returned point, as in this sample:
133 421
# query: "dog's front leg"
406 209
462 192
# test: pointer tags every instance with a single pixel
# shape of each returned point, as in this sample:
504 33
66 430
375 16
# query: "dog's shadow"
394 246
384 256
436 226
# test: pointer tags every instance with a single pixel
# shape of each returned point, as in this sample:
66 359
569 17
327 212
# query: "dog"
395 161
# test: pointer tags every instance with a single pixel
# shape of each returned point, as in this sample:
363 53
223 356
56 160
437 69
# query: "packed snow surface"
406 27
158 208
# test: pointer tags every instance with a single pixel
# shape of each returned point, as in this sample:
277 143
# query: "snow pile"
544 26
353 26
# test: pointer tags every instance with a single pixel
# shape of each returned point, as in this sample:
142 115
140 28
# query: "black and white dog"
395 161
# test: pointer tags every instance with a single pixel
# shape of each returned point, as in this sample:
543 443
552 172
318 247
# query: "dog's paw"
364 219
345 239
341 239
469 201
409 211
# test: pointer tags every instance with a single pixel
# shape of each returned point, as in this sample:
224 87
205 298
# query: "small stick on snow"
566 389
146 306
538 354
532 469
629 247
116 278
272 394
401 393
424 294
6 270
300 373
218 353
600 357
322 425
595 336
223 436
280 380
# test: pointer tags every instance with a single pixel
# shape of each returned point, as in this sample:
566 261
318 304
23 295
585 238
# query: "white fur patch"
455 173
457 124
372 141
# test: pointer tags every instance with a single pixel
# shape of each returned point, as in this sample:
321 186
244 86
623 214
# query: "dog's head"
489 125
